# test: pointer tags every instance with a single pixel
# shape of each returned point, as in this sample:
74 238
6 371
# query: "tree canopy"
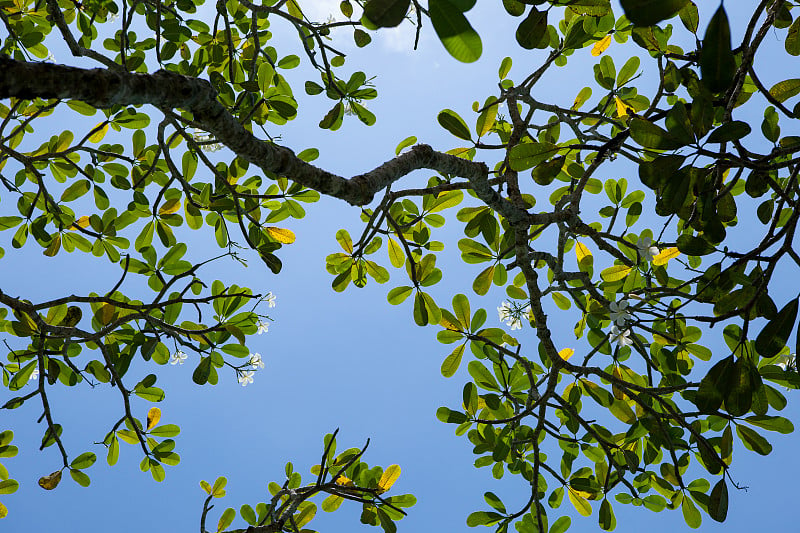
163 116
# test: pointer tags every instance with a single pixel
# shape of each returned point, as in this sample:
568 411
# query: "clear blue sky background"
336 360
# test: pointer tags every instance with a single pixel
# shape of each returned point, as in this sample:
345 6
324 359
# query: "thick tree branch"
105 88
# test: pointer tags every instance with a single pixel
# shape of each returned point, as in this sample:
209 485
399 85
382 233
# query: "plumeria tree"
632 407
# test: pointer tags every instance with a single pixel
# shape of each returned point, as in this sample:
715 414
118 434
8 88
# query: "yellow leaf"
153 416
665 255
344 481
615 273
579 502
581 251
566 353
170 206
98 132
388 478
283 236
601 45
3 510
622 107
206 486
82 222
50 482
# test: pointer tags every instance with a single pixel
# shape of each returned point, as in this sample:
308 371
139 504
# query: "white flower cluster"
201 136
620 315
512 314
621 337
786 362
646 249
246 376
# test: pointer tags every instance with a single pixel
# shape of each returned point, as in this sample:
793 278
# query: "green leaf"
717 62
483 282
331 503
730 131
792 43
692 245
80 478
386 13
396 255
202 372
8 486
718 501
405 143
628 71
452 122
714 386
399 294
776 333
455 31
649 12
528 155
650 135
461 309
226 519
753 440
483 518
248 515
771 423
449 416
165 430
739 396
783 90
608 522
84 460
532 29
487 117
453 361
482 376
690 513
561 525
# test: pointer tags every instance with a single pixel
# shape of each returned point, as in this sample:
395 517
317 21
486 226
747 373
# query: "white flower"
263 327
618 311
205 139
512 314
50 58
646 249
34 374
270 299
178 358
622 338
255 361
786 362
245 377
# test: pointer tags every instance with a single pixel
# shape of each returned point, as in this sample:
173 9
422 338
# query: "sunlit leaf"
153 417
283 236
388 478
665 255
601 45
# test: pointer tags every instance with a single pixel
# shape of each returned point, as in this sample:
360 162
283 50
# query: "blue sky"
332 360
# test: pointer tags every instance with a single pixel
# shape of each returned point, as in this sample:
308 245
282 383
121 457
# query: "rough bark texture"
167 90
